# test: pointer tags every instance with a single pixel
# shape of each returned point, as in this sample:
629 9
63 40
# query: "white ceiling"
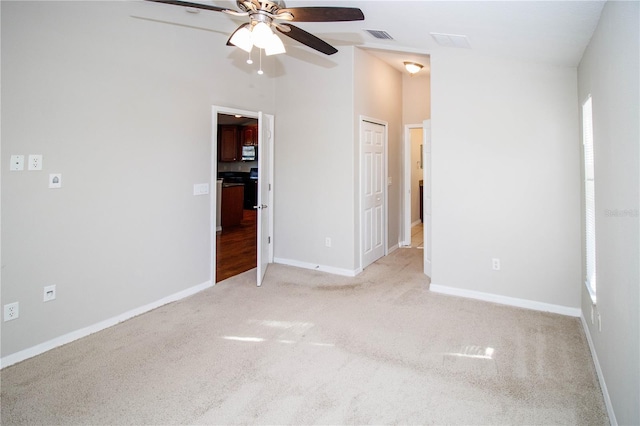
554 32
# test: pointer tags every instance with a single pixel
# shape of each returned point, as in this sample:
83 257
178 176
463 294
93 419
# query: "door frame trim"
361 120
215 110
406 184
427 213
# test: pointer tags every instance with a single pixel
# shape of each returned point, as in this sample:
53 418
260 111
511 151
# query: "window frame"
590 269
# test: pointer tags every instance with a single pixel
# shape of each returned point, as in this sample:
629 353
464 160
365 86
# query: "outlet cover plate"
49 293
495 264
17 163
35 162
11 311
55 180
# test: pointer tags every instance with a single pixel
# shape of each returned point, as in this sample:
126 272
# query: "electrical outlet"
11 311
17 163
35 162
495 264
327 242
49 293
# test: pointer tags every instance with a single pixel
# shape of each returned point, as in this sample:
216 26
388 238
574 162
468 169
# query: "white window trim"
589 199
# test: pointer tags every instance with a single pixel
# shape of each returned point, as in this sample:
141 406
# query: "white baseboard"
505 300
596 363
78 334
392 249
316 267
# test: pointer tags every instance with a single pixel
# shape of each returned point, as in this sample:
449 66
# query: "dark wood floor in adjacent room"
237 247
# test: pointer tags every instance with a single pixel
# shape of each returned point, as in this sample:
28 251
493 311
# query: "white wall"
506 178
378 94
314 162
122 108
609 71
416 95
316 170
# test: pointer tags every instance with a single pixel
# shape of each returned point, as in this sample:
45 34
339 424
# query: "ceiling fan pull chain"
249 61
260 72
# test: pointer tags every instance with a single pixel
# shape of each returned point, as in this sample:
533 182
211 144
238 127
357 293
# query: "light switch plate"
17 163
200 188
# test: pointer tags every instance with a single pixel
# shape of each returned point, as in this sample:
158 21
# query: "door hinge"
269 187
269 240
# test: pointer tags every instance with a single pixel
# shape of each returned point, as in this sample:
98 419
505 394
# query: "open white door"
265 217
426 161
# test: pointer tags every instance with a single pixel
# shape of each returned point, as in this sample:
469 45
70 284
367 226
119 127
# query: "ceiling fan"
265 15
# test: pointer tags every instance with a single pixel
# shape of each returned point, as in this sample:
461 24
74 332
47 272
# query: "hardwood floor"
417 236
236 249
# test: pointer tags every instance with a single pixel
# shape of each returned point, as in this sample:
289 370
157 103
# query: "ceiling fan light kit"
275 46
259 36
242 38
266 15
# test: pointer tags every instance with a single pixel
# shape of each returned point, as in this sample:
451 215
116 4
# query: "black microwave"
249 153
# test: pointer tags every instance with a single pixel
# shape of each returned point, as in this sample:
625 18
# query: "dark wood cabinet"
231 205
250 135
229 148
231 139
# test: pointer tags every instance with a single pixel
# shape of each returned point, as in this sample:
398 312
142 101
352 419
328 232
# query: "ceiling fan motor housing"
264 11
264 5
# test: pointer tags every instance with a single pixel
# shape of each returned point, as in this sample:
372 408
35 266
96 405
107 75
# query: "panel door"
373 192
265 151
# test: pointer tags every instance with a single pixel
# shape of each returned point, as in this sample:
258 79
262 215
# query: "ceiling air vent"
451 40
379 34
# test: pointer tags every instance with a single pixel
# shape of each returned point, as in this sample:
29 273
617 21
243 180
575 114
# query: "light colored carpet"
312 348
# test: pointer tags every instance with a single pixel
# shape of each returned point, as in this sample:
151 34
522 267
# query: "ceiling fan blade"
307 39
324 14
193 5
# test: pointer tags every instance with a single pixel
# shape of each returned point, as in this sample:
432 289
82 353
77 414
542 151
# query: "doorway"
242 186
413 186
236 183
416 218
